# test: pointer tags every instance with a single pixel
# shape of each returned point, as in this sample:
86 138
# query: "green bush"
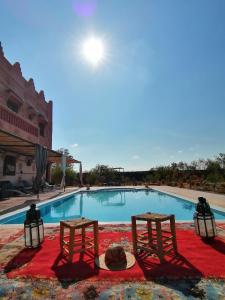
56 175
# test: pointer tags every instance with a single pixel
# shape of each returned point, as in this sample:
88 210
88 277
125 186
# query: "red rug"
195 259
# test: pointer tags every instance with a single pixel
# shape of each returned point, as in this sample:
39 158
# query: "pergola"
118 168
12 143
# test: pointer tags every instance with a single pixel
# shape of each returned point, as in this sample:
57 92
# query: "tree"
71 176
221 160
57 173
67 154
102 174
214 173
193 166
201 164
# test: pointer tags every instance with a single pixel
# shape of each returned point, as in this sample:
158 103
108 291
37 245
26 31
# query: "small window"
29 162
13 106
30 117
9 166
42 129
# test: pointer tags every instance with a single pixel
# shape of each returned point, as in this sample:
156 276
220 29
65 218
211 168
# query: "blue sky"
158 97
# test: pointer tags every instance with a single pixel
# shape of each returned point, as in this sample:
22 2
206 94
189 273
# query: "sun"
93 51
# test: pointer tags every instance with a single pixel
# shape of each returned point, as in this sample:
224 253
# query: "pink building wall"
33 108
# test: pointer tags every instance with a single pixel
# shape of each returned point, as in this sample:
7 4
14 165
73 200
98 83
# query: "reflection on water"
117 205
114 205
115 200
147 192
188 206
65 208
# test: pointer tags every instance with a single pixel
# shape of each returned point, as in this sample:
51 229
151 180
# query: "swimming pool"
112 206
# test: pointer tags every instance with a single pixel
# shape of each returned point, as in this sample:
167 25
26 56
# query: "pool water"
113 206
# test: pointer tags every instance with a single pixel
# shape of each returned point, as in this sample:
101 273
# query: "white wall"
23 172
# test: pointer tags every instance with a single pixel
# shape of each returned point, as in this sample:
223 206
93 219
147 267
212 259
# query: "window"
42 129
9 167
30 117
13 106
29 162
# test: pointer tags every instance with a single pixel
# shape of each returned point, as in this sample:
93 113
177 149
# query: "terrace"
39 275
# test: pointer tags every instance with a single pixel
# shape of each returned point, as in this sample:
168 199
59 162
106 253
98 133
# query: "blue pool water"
108 206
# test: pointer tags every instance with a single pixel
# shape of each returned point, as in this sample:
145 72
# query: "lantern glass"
205 225
34 234
33 228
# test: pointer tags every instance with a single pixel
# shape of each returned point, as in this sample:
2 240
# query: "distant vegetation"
201 174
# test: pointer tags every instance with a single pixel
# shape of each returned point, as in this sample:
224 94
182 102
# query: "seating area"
47 261
22 189
153 241
83 250
7 189
68 253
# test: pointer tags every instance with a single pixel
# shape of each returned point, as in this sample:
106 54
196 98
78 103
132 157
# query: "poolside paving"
214 199
14 203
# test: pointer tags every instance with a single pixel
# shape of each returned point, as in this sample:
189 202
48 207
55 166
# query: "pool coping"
95 189
64 196
221 209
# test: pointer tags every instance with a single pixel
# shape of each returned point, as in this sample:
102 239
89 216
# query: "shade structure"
12 143
81 174
41 159
63 166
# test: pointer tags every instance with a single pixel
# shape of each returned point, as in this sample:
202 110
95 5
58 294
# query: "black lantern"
204 220
33 228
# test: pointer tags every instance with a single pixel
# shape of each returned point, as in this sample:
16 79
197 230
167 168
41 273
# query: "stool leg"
173 231
149 224
61 237
96 238
159 241
134 234
71 244
83 238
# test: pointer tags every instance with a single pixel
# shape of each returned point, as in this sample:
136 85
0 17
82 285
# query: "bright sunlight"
93 51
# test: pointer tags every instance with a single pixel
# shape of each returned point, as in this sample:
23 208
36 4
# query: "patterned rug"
193 260
162 288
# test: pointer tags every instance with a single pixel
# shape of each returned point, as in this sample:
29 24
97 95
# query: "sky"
157 97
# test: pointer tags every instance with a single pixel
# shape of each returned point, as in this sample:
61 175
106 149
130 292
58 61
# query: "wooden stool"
154 240
74 243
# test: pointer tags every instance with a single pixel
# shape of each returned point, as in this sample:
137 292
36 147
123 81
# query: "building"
25 120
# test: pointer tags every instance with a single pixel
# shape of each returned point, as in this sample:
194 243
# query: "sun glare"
93 51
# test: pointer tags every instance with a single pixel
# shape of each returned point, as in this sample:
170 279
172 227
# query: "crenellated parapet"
17 69
1 50
30 84
14 70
